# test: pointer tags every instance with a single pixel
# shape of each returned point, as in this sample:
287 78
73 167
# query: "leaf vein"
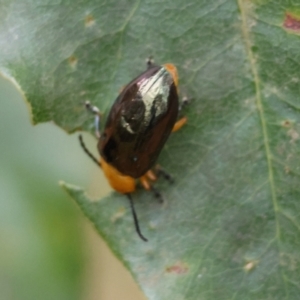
291 219
260 108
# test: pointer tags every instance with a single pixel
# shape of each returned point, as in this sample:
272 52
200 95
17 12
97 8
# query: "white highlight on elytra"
153 87
150 89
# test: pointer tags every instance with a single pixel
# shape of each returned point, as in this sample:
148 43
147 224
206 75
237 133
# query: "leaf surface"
229 226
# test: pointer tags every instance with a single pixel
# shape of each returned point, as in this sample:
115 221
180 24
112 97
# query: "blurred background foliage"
48 250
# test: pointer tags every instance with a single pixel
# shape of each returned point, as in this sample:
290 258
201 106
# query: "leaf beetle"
137 127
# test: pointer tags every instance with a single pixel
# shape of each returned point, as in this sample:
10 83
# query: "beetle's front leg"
94 110
150 62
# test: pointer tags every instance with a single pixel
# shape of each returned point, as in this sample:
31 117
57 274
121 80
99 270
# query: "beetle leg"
150 62
181 120
184 102
157 194
161 172
94 110
150 174
147 186
179 124
145 183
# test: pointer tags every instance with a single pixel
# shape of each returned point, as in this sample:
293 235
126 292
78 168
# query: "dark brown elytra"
133 152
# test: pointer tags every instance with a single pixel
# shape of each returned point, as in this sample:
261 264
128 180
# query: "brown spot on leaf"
178 268
89 21
291 22
73 61
286 123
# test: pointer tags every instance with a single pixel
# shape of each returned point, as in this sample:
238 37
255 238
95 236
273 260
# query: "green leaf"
229 226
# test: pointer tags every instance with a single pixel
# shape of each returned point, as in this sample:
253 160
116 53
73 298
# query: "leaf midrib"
260 108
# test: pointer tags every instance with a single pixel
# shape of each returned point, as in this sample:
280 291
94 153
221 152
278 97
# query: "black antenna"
87 151
136 222
95 160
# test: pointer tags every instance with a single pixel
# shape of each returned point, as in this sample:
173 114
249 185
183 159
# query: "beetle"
137 127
